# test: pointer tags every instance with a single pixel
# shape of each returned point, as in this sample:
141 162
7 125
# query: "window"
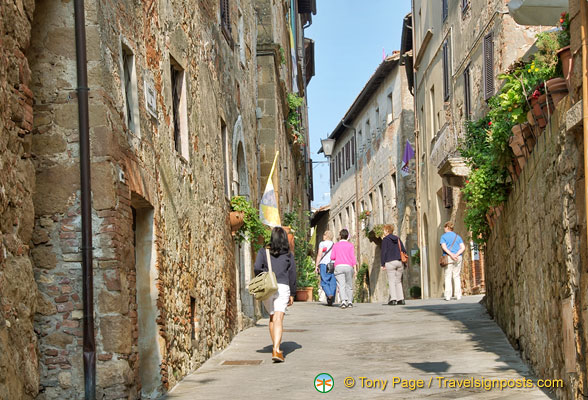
467 101
347 155
371 202
393 191
343 159
488 66
445 10
353 216
378 120
353 150
432 116
347 219
179 108
381 203
464 5
130 89
447 196
332 165
340 159
446 69
225 17
390 116
225 144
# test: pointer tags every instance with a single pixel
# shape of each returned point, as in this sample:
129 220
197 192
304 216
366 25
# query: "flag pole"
273 165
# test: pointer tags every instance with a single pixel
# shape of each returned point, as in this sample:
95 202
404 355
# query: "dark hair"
279 242
344 234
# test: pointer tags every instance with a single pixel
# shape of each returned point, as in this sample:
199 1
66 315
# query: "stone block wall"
533 268
185 303
19 377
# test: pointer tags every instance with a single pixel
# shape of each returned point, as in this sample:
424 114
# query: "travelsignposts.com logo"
324 383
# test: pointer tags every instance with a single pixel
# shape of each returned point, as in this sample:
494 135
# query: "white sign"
150 99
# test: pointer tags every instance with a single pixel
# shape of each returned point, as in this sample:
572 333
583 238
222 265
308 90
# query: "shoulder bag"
403 255
330 264
265 284
444 260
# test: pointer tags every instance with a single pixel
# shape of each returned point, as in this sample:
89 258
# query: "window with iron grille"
445 10
464 5
466 93
225 19
446 69
488 66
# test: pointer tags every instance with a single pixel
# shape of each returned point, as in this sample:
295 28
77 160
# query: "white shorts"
279 300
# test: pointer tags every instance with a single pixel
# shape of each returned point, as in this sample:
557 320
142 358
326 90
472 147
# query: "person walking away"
323 257
284 266
452 245
343 254
391 262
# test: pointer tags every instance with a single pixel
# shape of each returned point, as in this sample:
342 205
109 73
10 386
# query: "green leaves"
252 229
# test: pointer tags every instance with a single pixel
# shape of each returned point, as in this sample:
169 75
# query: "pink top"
343 253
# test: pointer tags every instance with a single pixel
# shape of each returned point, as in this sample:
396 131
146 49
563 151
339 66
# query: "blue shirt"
448 238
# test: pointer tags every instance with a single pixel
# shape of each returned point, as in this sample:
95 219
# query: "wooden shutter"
445 10
347 156
488 66
447 196
340 158
332 165
466 93
353 150
446 70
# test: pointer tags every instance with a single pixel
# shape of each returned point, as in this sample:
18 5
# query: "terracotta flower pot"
290 237
565 57
538 112
557 89
547 106
236 220
304 294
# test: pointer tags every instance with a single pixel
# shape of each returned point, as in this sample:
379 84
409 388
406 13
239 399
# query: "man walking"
452 245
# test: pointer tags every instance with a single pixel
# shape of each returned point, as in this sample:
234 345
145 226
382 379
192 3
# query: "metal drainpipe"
584 34
89 352
357 230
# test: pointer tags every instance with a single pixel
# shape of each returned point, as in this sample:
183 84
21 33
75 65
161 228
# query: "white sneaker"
458 298
446 299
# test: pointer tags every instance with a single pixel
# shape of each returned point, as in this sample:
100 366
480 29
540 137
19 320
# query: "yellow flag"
268 207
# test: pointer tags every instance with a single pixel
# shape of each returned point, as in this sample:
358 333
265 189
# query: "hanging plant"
252 229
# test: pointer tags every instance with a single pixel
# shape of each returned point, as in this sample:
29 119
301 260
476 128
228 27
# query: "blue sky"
349 38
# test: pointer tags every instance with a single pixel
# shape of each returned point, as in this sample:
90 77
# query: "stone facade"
441 114
534 258
536 262
19 377
175 131
376 128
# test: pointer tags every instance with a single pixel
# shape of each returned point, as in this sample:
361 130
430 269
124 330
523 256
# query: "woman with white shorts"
284 267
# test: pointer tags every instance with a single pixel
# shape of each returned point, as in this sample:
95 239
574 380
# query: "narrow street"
424 339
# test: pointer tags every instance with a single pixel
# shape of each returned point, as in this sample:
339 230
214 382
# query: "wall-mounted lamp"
327 146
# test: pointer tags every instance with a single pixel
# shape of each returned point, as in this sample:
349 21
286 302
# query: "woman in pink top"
343 254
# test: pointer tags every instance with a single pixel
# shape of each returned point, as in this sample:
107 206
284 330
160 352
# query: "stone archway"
240 186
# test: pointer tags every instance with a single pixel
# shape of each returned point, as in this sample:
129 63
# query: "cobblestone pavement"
442 343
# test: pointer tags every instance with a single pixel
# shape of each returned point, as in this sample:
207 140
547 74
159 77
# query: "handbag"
265 284
403 255
330 264
444 260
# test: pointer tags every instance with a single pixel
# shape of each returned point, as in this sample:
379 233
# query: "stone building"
457 49
537 280
365 171
176 129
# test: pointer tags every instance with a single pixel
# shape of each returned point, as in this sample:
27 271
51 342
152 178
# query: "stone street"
425 339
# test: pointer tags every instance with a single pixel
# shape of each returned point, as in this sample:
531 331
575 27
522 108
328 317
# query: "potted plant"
564 54
252 228
306 279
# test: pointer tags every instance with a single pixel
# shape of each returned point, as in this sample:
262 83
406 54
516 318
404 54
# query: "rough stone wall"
275 79
193 259
19 377
533 265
